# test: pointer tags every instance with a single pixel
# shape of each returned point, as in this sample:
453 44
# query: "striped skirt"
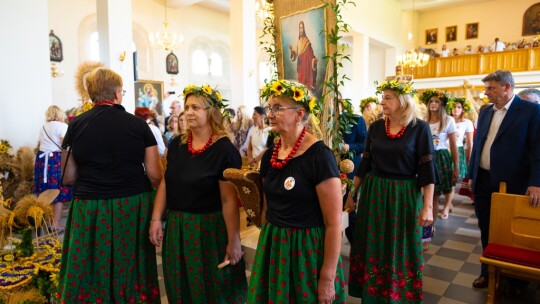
444 164
47 174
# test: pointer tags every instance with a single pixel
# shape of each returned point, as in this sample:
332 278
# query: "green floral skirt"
107 256
386 257
462 163
193 246
444 164
287 265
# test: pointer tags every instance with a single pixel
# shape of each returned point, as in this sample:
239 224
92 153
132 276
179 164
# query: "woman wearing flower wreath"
443 131
298 254
396 167
202 228
369 108
107 257
457 107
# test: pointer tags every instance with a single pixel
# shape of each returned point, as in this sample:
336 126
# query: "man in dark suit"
506 149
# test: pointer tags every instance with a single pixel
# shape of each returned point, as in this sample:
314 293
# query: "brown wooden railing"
515 61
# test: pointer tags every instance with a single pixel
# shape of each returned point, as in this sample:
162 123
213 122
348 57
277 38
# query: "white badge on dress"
289 183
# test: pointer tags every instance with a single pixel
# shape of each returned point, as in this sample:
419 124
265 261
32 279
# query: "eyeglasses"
195 108
277 110
123 92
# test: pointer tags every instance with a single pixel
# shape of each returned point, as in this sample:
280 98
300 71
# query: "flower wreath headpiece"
364 102
428 93
401 87
293 90
205 90
466 104
4 146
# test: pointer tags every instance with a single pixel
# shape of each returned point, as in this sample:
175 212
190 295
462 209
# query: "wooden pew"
514 240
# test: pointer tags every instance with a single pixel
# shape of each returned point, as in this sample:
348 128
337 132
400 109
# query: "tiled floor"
451 263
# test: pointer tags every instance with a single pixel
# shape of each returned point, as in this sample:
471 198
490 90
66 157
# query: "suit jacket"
515 152
356 141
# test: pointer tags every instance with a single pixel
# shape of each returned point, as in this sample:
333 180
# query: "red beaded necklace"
280 164
195 152
105 102
387 127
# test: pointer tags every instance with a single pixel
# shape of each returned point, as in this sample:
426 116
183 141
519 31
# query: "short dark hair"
259 110
231 112
500 76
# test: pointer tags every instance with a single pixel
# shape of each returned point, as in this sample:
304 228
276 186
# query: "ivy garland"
341 114
269 46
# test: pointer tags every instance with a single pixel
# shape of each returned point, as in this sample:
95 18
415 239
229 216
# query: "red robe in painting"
305 66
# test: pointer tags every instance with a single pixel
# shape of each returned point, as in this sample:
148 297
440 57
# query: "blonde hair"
407 108
54 113
102 84
214 115
243 123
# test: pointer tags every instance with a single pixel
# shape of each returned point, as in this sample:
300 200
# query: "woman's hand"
234 252
156 232
327 291
426 217
350 205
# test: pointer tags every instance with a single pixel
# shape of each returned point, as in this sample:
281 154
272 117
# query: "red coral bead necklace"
195 152
393 136
280 164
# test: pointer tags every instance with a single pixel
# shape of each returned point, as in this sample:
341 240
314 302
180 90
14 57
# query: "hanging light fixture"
164 39
413 57
262 9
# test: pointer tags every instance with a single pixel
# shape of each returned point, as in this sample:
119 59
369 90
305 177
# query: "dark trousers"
482 208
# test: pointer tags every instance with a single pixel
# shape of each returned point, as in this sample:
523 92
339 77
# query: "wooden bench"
514 240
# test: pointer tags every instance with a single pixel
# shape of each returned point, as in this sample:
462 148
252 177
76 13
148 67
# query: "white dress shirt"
498 116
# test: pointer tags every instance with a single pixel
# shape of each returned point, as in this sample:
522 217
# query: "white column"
360 55
25 81
243 54
115 38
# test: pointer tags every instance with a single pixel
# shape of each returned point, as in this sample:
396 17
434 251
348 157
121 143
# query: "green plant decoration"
269 45
26 247
340 118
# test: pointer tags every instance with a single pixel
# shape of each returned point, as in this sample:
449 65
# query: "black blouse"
407 157
291 196
193 181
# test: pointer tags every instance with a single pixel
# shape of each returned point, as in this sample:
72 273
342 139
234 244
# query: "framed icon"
471 30
172 64
55 48
431 36
451 33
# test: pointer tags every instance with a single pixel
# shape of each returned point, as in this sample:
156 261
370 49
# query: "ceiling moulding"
430 5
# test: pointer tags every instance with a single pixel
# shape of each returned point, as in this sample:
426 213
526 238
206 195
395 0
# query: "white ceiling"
428 5
419 5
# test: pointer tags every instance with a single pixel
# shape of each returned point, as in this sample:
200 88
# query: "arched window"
199 63
94 46
216 65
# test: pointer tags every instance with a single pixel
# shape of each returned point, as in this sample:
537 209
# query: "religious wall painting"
471 30
149 93
172 64
55 48
531 20
304 46
451 33
431 36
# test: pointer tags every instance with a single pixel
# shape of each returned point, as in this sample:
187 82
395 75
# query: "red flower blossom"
372 291
396 296
401 283
379 280
417 284
409 295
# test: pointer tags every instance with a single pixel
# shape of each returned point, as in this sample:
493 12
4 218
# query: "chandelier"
414 57
263 9
165 39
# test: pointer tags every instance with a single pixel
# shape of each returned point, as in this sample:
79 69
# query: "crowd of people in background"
495 46
122 196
